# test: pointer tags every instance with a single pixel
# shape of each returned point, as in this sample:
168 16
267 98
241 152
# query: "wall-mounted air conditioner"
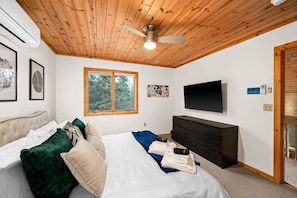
17 26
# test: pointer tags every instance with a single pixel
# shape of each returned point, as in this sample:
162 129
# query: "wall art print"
157 91
8 74
36 81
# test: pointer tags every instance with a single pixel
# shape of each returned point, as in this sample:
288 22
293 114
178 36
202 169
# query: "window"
108 92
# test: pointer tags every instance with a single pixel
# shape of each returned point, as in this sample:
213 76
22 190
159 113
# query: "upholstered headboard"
17 127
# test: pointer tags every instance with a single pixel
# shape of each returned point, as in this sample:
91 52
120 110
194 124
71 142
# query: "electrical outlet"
267 107
144 124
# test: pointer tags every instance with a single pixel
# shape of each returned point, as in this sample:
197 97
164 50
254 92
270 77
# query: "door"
279 110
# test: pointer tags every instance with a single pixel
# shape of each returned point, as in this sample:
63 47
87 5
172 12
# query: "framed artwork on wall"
157 91
8 74
36 81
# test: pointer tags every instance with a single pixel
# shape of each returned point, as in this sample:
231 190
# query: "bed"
130 170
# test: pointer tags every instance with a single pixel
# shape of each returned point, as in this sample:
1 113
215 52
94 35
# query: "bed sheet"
132 173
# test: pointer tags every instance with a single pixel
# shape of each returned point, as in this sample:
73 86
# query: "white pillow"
10 153
92 129
87 166
46 130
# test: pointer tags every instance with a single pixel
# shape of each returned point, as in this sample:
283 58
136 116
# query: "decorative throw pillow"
92 129
87 166
72 132
98 144
45 170
81 125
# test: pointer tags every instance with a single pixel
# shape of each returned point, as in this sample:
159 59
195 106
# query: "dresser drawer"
180 139
207 153
202 129
200 139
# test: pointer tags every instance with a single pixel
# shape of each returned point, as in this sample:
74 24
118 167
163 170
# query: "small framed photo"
8 74
36 81
157 91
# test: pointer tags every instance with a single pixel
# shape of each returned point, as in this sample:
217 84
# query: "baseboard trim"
256 171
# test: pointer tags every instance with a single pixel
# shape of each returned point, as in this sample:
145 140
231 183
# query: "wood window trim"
113 111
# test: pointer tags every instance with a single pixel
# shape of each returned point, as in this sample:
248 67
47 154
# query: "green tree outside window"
110 92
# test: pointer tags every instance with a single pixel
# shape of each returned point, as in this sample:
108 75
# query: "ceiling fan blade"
171 39
131 29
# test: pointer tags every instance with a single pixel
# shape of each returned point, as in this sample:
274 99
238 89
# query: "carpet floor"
243 183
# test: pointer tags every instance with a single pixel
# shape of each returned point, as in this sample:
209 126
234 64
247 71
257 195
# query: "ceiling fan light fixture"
150 45
277 2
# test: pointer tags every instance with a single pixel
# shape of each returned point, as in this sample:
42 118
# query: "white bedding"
10 153
132 173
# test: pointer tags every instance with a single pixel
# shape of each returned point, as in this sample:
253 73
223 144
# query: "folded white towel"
159 148
182 160
184 163
171 145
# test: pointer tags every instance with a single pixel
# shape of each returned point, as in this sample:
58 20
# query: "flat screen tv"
204 96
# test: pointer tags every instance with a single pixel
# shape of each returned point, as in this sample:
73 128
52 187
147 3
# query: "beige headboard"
17 127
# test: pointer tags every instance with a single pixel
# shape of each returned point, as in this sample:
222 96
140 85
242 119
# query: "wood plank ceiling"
92 28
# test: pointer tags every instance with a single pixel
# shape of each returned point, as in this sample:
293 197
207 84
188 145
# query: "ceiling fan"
151 38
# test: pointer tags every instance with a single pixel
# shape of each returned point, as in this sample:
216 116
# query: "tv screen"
204 96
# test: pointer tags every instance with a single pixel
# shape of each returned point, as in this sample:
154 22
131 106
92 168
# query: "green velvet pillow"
81 125
45 170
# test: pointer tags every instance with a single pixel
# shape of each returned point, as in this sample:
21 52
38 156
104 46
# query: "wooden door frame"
279 99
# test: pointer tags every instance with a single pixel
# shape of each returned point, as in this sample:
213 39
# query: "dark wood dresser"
214 141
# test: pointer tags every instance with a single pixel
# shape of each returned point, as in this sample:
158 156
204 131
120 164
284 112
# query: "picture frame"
8 74
36 81
157 91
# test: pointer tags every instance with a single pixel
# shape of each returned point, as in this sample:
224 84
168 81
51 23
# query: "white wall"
156 112
248 64
44 56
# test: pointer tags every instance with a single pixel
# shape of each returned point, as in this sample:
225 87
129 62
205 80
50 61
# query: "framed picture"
157 91
8 74
36 81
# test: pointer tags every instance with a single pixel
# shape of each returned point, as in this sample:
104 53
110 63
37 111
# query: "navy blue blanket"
145 138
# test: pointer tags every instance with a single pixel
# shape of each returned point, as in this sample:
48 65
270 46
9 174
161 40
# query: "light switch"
263 89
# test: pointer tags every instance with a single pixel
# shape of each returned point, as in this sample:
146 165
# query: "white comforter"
132 173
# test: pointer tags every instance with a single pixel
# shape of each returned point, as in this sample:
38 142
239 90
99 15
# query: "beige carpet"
242 183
